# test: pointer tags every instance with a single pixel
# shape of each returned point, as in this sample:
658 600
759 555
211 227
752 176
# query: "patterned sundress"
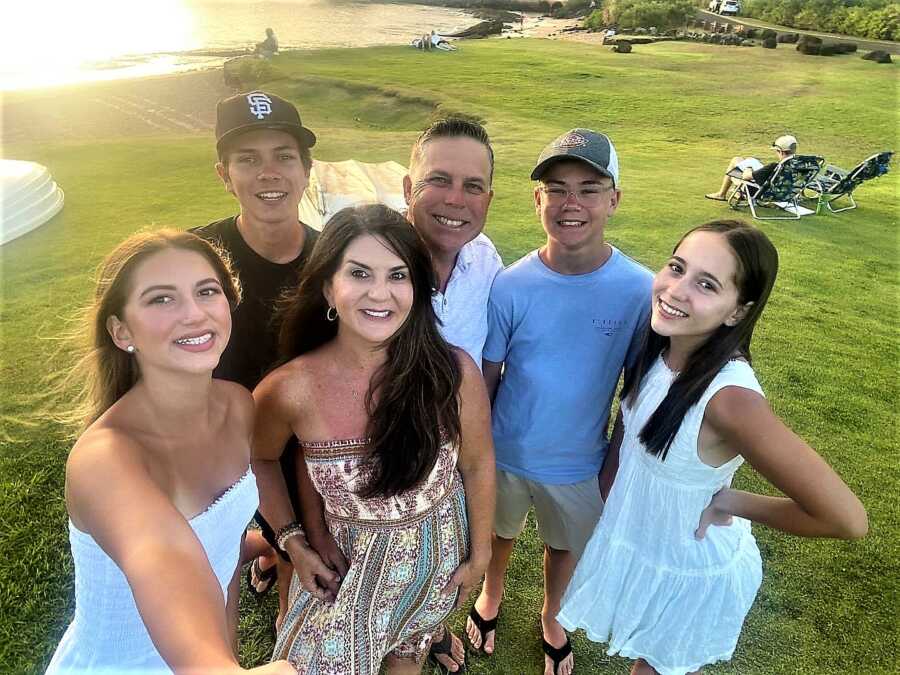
401 552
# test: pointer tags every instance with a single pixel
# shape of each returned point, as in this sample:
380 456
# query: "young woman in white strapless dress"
158 486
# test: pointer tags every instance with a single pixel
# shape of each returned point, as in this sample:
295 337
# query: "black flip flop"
484 627
556 654
444 647
264 578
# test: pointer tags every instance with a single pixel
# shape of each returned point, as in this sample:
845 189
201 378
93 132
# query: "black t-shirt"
253 347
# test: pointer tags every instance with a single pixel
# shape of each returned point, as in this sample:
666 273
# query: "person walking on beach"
564 321
159 489
264 160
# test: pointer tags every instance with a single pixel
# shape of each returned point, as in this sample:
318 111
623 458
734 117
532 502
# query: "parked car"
729 7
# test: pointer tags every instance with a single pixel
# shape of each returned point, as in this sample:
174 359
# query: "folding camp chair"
783 188
834 182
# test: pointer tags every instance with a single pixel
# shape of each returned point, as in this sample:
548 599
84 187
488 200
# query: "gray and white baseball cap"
586 145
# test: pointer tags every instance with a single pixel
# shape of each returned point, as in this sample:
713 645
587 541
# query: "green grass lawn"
826 351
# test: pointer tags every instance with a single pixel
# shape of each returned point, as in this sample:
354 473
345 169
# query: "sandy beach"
177 104
183 103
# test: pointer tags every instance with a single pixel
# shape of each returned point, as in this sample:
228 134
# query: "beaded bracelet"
290 530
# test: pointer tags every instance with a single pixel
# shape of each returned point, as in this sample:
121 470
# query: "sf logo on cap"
260 105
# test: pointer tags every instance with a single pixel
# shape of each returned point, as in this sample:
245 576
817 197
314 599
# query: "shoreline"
179 103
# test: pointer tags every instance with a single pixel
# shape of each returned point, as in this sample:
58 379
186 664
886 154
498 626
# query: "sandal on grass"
557 654
260 580
484 627
444 647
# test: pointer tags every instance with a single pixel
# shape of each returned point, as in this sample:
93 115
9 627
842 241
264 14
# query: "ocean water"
51 42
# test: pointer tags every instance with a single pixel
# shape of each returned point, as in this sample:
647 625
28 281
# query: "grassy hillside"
826 351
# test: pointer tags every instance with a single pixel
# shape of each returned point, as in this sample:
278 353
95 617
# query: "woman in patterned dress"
394 427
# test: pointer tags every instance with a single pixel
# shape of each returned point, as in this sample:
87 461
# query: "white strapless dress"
107 634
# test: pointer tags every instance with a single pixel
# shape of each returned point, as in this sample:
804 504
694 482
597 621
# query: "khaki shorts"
566 514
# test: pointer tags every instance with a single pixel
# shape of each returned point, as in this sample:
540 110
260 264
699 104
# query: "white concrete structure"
29 197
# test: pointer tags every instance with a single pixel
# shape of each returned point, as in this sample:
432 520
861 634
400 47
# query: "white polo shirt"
462 309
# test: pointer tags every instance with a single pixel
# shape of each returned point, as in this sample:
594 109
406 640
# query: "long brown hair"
757 267
416 408
104 373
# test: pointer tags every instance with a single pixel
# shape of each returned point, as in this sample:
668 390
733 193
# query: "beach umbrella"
336 185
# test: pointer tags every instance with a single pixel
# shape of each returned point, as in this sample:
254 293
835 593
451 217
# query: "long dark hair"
412 399
757 267
104 373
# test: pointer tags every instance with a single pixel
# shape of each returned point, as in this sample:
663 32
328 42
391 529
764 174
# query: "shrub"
622 47
876 19
769 43
594 20
828 49
249 71
572 9
660 13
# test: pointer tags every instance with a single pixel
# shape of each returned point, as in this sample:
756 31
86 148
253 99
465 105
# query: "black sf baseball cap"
259 110
588 146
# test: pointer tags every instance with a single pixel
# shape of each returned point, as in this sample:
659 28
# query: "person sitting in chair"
268 47
742 169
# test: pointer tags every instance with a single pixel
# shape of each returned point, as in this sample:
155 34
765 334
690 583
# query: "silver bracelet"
287 532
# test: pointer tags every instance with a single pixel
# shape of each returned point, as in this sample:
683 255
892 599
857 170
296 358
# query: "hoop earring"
130 349
331 314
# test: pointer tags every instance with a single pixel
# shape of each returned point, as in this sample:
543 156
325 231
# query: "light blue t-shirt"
564 340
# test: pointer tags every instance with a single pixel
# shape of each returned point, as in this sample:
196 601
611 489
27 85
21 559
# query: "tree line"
875 19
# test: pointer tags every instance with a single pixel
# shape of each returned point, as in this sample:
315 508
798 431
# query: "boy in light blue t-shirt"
563 322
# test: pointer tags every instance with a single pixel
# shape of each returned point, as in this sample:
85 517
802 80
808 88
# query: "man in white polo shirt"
448 191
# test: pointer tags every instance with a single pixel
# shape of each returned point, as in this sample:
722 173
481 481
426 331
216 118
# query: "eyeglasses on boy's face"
588 195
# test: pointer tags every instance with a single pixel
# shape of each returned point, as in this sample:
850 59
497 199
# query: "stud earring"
130 349
331 314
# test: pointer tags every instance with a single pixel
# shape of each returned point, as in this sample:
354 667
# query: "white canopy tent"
29 197
337 185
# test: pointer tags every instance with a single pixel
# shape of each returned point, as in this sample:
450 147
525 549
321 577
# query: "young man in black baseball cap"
264 160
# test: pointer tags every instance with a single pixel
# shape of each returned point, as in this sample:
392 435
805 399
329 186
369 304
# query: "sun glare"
52 40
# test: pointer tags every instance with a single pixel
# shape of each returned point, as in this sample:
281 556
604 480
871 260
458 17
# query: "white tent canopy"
29 197
337 185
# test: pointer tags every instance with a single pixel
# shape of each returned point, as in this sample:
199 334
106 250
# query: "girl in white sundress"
656 581
159 489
